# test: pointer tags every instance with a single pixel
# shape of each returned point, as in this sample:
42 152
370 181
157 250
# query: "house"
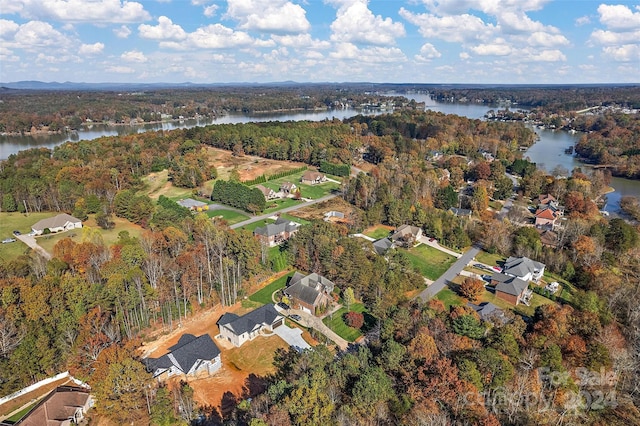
546 199
309 292
64 406
487 311
524 268
276 233
546 217
460 212
512 289
59 223
190 356
288 188
406 235
193 205
269 194
313 178
382 245
240 329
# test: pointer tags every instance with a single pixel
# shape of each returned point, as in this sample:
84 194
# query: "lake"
548 152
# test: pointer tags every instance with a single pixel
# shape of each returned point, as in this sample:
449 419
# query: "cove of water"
548 152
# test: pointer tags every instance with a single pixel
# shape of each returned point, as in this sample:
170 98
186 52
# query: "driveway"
31 242
437 246
293 337
448 276
311 321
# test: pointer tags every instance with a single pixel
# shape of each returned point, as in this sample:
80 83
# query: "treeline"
612 140
265 178
236 194
335 169
554 99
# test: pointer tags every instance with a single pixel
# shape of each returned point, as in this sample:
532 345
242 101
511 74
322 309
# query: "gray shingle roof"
280 226
55 222
487 310
521 266
266 314
515 286
190 203
185 353
382 245
308 288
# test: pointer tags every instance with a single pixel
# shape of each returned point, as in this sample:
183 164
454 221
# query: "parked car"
283 306
481 266
432 239
16 233
295 317
497 268
8 240
486 278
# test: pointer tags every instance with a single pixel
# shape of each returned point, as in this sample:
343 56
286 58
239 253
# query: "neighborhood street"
285 210
451 273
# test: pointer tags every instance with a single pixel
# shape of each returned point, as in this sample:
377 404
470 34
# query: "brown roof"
546 214
59 406
266 191
311 175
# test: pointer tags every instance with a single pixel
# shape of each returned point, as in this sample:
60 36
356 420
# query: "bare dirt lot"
317 211
249 166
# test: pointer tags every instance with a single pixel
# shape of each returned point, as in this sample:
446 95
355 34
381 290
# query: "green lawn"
263 295
18 222
20 414
252 226
521 309
377 232
449 297
295 219
317 191
275 205
488 258
336 322
231 216
430 262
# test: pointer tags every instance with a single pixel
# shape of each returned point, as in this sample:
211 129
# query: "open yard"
430 262
336 322
15 221
488 258
263 296
449 297
273 206
317 211
231 216
248 166
378 231
109 236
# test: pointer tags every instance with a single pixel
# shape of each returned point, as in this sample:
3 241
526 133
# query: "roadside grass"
252 226
378 231
275 205
336 322
317 191
430 262
255 356
231 216
449 298
489 259
16 221
300 220
263 295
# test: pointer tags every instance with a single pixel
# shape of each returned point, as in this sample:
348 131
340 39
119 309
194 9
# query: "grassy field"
109 236
255 356
231 216
449 297
263 295
378 231
295 219
488 258
15 221
275 205
430 262
252 226
336 322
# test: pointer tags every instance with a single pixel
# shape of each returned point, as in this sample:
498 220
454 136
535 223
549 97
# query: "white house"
240 329
524 268
191 355
62 222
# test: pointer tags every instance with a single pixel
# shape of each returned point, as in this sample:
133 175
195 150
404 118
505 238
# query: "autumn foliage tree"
471 288
354 319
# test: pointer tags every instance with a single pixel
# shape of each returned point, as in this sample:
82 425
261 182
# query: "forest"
88 307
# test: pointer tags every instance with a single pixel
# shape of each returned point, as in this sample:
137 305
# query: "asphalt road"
285 210
451 273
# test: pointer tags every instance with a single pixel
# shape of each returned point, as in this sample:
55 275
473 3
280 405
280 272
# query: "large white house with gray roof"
240 329
524 268
59 223
190 356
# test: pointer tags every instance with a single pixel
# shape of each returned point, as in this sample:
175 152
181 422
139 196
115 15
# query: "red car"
497 268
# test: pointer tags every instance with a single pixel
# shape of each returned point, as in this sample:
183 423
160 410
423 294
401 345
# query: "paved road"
285 210
451 273
31 242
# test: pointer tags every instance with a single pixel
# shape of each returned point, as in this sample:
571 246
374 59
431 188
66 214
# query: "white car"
8 240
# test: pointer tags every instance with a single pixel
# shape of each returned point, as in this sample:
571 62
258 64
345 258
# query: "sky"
395 41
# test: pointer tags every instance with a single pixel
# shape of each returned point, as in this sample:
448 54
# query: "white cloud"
624 53
273 16
547 40
491 49
122 32
37 34
546 56
369 55
464 56
119 69
583 20
214 36
7 28
619 17
165 30
91 49
300 41
519 22
355 23
427 53
456 29
92 11
210 11
613 38
133 56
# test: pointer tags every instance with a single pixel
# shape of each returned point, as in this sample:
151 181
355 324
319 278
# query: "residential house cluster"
548 213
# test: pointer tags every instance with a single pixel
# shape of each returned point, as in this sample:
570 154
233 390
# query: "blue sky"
414 41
